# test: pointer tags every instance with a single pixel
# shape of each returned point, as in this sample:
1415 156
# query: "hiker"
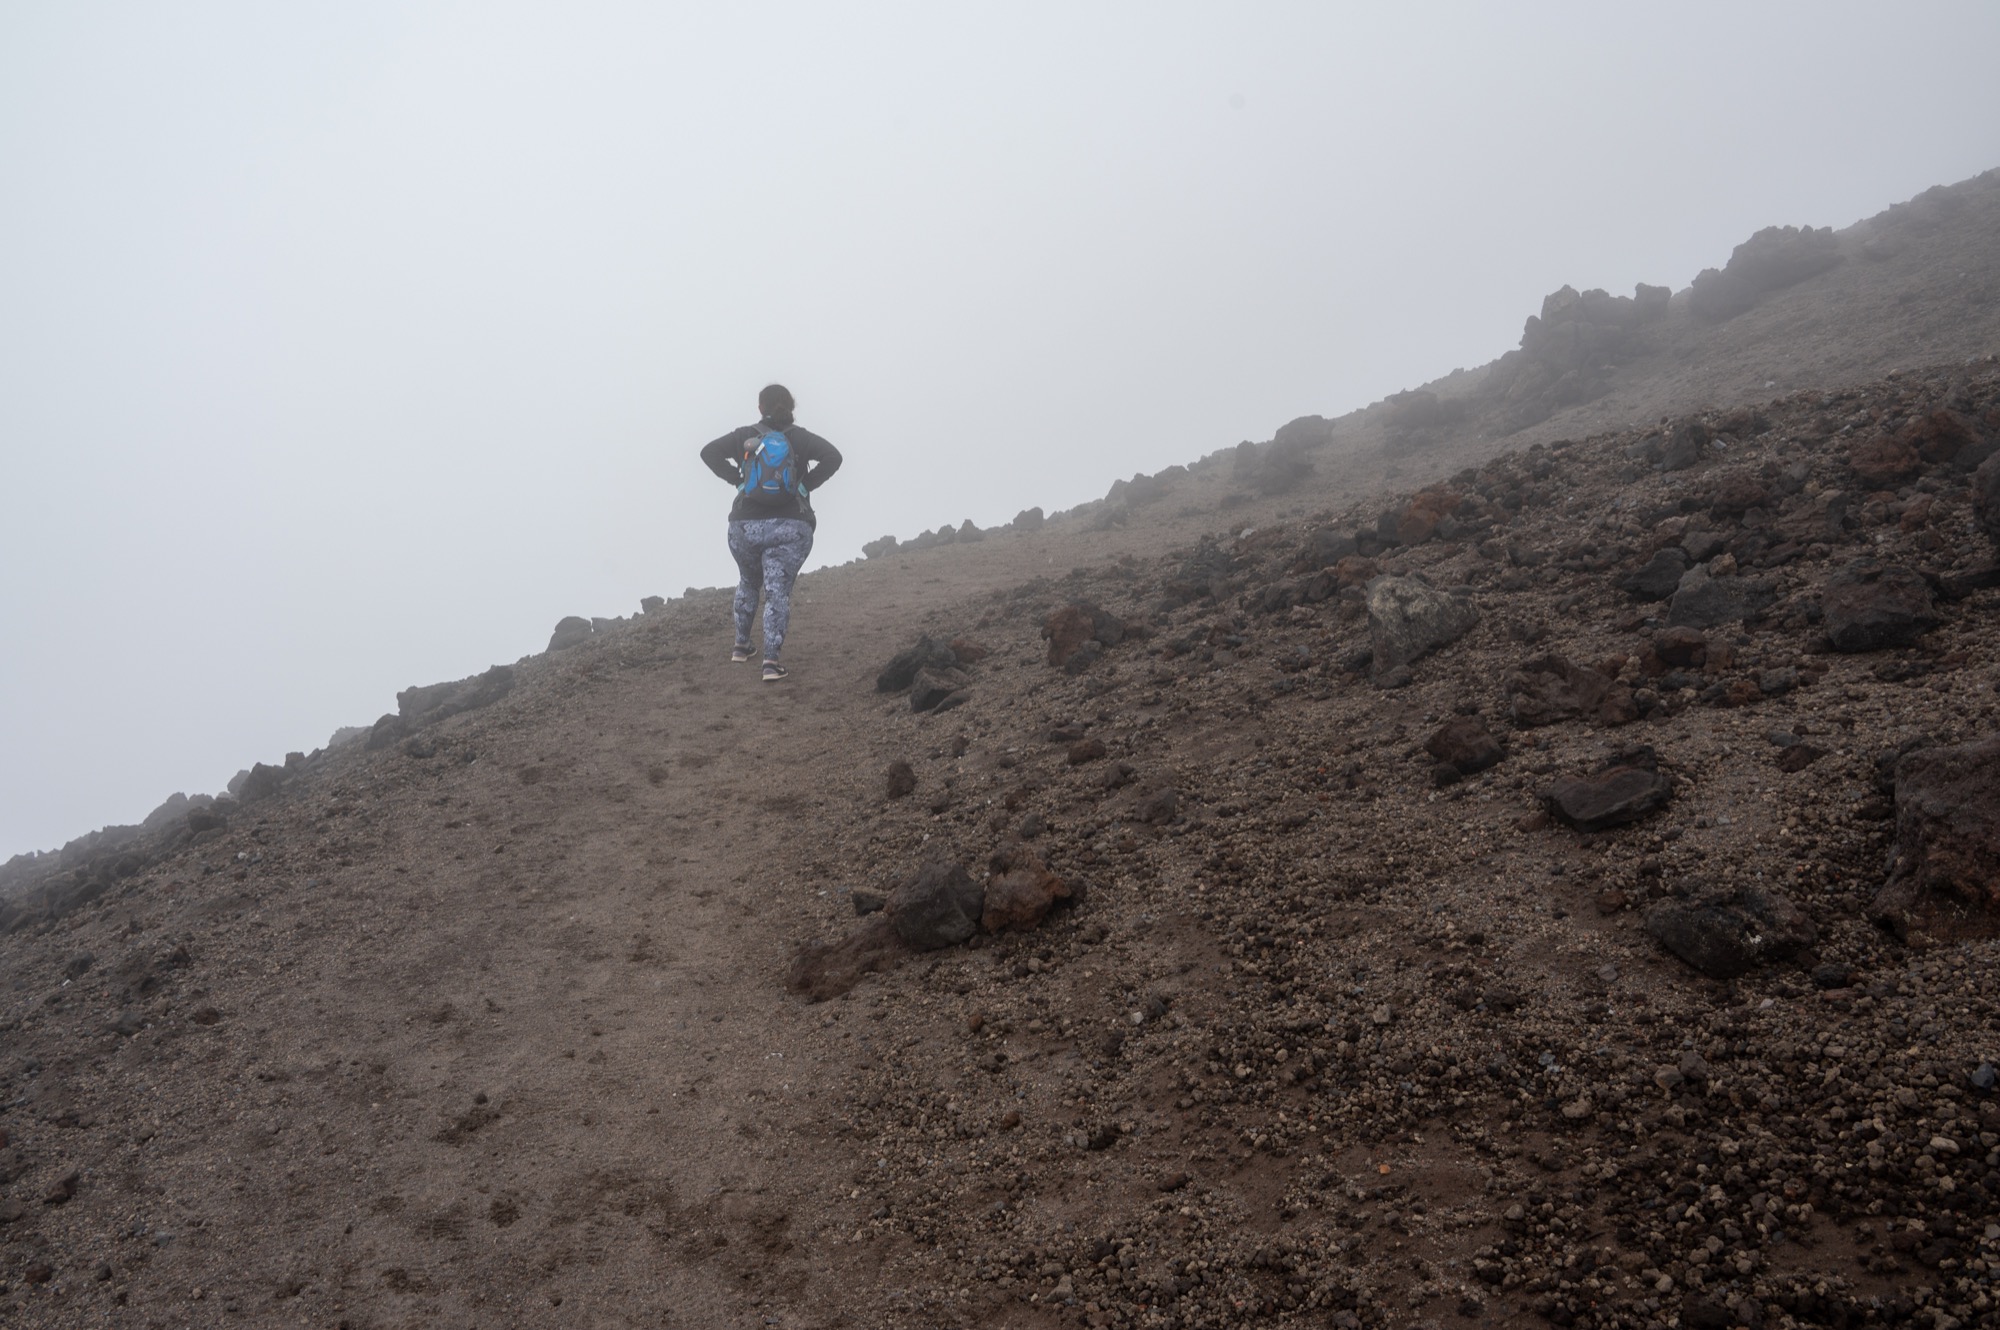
775 466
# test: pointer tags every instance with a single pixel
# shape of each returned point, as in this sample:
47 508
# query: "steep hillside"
1467 904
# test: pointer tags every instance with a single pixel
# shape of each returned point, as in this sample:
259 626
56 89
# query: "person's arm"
823 459
721 456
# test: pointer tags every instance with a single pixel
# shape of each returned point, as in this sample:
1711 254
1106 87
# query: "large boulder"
1870 605
1724 936
1947 849
430 703
1770 260
939 905
1704 600
1408 618
572 630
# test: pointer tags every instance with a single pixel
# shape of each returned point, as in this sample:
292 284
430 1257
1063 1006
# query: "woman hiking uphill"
775 466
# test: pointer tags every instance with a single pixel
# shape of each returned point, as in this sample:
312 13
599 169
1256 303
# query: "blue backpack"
771 467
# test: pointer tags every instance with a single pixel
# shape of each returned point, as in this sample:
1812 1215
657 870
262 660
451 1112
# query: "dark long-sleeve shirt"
724 456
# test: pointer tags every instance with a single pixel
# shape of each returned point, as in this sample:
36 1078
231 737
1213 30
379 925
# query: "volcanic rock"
1707 601
1883 462
901 779
1465 745
570 631
1659 578
1020 890
1729 935
826 970
1986 496
1420 518
901 671
1408 618
1551 688
1681 648
430 703
1868 606
937 906
1624 789
1947 844
932 687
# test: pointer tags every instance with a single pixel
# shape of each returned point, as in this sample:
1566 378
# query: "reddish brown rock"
1020 891
1354 570
1465 745
827 970
1946 858
1883 463
1419 520
1735 492
1940 436
1066 630
1550 689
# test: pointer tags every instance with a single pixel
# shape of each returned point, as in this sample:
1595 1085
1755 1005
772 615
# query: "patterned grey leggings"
768 554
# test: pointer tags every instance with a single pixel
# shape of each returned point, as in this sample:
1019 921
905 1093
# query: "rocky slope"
1558 893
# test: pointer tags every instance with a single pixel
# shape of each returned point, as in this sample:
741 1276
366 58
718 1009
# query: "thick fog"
349 346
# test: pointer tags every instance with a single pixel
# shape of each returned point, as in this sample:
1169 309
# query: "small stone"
868 902
901 779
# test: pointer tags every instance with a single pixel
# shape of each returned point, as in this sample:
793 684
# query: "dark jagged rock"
262 783
1986 497
431 703
901 779
1730 935
1772 259
901 671
1626 788
1947 847
1869 606
933 686
1706 601
1659 578
570 631
937 906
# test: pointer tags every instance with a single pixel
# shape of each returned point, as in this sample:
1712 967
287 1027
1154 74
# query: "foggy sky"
349 346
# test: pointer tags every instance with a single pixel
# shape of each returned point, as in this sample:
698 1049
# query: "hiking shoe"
740 654
773 671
